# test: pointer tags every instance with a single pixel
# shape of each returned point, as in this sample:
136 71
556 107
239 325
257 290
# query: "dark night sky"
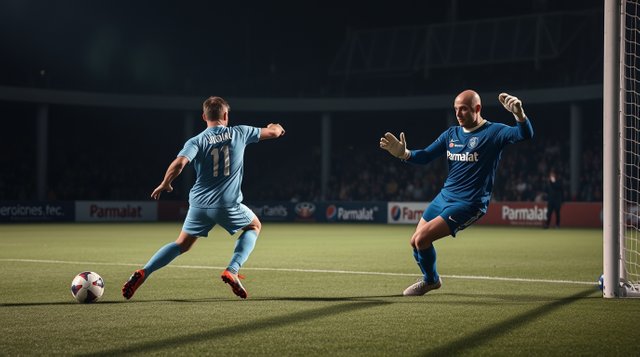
171 48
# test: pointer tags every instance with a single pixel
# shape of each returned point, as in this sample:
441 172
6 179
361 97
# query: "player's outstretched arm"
512 104
174 170
523 130
395 147
272 131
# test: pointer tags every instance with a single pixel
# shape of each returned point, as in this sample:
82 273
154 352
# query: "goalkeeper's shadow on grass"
366 298
501 328
372 298
455 298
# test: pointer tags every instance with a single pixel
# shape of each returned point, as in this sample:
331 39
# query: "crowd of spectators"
357 173
373 175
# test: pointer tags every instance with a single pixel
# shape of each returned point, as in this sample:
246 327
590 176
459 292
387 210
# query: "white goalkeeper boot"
421 287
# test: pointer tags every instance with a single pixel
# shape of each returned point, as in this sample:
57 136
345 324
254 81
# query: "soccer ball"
601 282
87 287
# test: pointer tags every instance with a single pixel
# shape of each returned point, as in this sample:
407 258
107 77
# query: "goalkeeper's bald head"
467 107
470 98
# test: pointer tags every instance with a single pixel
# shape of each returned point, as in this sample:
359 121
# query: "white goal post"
621 149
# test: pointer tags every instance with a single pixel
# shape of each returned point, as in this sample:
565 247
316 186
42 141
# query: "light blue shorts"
200 221
458 215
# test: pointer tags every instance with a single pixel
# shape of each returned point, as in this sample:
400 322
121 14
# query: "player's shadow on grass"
108 302
242 329
478 338
208 300
54 303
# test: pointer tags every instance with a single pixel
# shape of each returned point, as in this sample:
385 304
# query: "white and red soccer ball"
87 287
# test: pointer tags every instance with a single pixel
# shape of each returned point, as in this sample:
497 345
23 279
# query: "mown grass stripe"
323 271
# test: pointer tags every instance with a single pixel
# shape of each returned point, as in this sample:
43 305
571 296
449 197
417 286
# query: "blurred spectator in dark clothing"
555 195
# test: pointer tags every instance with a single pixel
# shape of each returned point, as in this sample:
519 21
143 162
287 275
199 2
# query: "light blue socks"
162 257
244 246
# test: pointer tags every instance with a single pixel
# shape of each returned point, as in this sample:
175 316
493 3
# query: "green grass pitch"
324 290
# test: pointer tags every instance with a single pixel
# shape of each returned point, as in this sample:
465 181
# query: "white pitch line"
324 271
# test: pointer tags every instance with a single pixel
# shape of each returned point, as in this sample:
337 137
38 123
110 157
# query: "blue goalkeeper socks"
244 246
416 256
427 262
162 257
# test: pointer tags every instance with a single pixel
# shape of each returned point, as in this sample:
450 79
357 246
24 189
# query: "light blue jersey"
217 155
472 159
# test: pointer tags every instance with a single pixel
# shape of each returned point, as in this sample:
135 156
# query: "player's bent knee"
414 241
423 242
255 225
185 242
424 237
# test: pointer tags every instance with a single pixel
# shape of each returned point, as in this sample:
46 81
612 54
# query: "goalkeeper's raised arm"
512 104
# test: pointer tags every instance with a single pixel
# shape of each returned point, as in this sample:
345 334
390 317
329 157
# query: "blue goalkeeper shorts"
200 221
458 215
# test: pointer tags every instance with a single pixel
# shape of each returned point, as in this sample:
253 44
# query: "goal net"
630 140
621 143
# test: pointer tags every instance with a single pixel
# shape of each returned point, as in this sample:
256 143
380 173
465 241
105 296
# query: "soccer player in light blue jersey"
217 155
473 150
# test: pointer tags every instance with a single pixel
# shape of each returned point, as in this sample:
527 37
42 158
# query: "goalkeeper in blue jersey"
473 150
217 155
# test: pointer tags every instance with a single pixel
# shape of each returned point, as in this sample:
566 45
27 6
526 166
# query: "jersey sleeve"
190 149
249 134
426 155
512 134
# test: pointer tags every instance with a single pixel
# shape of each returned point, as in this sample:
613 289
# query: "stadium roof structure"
50 96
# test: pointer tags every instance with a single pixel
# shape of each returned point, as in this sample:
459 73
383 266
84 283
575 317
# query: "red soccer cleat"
234 281
134 282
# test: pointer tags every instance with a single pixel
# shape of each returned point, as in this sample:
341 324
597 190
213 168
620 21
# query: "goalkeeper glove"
395 147
512 104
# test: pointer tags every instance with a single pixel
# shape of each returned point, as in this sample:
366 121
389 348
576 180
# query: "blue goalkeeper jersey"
217 155
472 159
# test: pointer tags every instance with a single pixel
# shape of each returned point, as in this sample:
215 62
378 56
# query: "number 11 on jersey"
216 160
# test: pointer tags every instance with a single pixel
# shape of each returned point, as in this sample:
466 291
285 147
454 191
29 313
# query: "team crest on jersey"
473 142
